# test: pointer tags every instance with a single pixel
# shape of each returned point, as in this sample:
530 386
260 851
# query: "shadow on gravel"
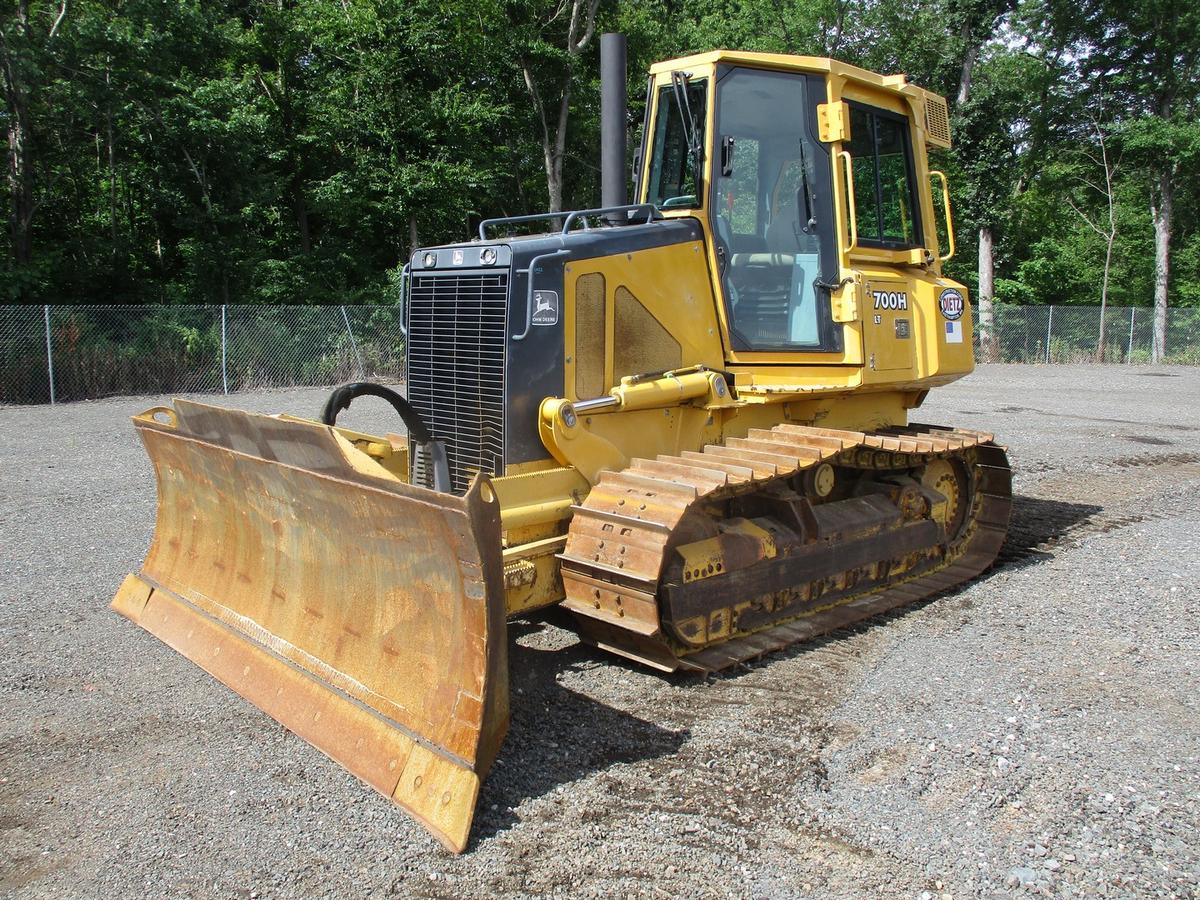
557 736
1038 525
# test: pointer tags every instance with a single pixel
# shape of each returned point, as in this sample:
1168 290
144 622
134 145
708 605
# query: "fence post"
1049 326
224 366
49 352
353 343
1129 352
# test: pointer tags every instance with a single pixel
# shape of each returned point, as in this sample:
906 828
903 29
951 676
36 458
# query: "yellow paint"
706 558
833 121
407 685
538 497
395 667
545 588
527 468
676 411
941 176
892 354
673 286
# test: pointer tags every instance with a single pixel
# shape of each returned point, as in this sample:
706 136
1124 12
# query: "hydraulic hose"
343 396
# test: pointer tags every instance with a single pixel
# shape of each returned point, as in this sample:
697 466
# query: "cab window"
676 159
769 212
883 178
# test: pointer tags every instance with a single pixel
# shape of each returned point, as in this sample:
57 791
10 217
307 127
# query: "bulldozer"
682 422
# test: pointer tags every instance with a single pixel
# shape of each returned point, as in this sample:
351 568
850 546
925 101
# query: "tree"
1147 56
549 47
1106 224
211 151
23 48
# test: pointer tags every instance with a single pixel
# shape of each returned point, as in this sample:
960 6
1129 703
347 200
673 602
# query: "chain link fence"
58 353
1071 334
53 354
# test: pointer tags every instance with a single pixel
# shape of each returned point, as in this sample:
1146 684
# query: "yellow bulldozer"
684 420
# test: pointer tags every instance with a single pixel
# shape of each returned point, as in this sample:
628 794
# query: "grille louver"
456 336
937 121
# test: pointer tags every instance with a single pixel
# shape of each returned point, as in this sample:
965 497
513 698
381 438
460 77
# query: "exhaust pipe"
613 113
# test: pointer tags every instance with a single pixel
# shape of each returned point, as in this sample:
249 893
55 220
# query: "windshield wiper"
680 82
809 219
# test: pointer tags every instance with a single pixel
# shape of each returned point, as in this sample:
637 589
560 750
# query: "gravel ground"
1036 731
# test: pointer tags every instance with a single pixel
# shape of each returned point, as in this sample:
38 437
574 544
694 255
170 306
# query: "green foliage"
293 151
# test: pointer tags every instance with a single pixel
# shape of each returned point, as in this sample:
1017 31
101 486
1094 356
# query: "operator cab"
789 187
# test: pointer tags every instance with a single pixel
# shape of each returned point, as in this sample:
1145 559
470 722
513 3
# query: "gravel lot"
1034 731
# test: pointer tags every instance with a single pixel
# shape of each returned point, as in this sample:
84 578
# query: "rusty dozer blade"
363 613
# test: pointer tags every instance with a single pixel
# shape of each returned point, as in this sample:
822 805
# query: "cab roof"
787 63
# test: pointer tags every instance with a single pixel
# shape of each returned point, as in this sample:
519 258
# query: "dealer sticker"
951 304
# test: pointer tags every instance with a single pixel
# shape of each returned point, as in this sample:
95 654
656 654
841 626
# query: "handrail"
405 285
504 220
606 211
533 263
571 217
949 217
850 206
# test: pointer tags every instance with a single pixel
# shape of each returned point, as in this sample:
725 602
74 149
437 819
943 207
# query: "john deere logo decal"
951 304
545 308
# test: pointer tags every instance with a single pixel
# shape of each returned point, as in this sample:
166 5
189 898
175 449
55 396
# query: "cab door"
888 230
771 221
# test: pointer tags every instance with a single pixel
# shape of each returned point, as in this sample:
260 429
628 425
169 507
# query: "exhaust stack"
613 112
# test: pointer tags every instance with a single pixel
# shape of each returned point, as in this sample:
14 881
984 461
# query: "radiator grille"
456 336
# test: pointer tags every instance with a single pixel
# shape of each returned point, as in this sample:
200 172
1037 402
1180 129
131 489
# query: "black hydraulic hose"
343 396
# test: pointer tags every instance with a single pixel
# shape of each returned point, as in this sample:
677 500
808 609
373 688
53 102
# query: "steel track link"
621 537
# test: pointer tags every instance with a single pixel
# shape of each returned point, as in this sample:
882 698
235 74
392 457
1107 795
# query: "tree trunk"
414 239
1102 340
554 167
1160 210
20 179
295 165
968 67
554 189
554 142
112 170
20 141
988 343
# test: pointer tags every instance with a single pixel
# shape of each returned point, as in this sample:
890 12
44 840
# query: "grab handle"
533 267
405 290
946 205
850 207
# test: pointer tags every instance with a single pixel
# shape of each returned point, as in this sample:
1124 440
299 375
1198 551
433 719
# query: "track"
623 538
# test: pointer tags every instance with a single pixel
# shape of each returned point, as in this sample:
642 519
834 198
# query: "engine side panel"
660 264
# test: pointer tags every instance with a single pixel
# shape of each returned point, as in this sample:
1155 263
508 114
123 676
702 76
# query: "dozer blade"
363 613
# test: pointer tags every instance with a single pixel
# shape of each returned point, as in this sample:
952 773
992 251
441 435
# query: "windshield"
678 138
771 212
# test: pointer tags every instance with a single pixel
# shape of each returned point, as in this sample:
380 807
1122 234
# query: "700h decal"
890 299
